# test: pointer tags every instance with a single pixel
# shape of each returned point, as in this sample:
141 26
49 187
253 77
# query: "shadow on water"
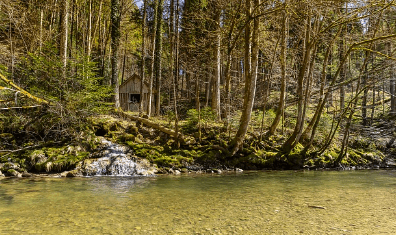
7 199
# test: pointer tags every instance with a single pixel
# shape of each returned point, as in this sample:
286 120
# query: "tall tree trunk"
150 91
115 42
142 69
251 61
124 58
89 38
208 85
342 73
198 107
216 82
175 80
65 25
364 100
158 58
392 85
41 28
281 104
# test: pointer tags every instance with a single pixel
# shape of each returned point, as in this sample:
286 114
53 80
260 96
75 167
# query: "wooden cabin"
130 94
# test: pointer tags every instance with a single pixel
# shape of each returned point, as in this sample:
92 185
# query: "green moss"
126 138
132 130
309 162
58 159
162 156
11 171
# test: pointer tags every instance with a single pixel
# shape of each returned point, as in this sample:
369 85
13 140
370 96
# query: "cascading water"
116 161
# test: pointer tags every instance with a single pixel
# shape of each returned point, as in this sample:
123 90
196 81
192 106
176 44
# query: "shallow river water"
277 202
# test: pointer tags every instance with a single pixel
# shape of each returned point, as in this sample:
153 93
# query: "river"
269 202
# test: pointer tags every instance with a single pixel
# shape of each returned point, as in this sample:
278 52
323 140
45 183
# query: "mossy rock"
59 159
13 173
132 130
126 137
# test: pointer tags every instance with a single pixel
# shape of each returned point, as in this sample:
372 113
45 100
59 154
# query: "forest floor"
370 147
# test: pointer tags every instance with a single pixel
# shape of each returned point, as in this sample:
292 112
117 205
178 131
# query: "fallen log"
22 91
20 108
154 125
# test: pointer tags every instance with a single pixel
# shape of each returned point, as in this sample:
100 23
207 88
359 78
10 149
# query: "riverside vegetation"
367 151
224 85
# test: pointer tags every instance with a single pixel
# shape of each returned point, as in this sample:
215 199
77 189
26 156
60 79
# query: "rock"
390 162
161 171
218 171
177 172
26 175
38 157
9 165
1 174
14 173
72 173
238 170
184 170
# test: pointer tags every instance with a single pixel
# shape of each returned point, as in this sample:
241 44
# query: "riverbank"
372 149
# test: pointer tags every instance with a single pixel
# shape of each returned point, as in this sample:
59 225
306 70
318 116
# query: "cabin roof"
133 77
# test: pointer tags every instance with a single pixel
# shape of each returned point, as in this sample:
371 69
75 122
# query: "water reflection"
117 184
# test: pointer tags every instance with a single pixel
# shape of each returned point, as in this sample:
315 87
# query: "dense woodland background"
298 73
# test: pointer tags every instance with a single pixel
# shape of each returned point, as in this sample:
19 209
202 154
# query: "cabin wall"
132 86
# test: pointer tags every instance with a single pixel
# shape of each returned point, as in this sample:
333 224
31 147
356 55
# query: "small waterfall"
116 161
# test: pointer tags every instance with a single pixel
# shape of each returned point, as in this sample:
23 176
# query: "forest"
250 84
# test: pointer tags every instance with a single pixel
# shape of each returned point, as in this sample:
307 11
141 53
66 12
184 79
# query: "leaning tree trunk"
294 138
316 118
281 104
251 61
115 42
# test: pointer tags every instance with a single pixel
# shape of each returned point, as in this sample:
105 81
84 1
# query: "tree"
142 71
64 37
115 42
251 59
283 58
158 58
153 58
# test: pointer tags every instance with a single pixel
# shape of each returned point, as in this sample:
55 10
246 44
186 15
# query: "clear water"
359 202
